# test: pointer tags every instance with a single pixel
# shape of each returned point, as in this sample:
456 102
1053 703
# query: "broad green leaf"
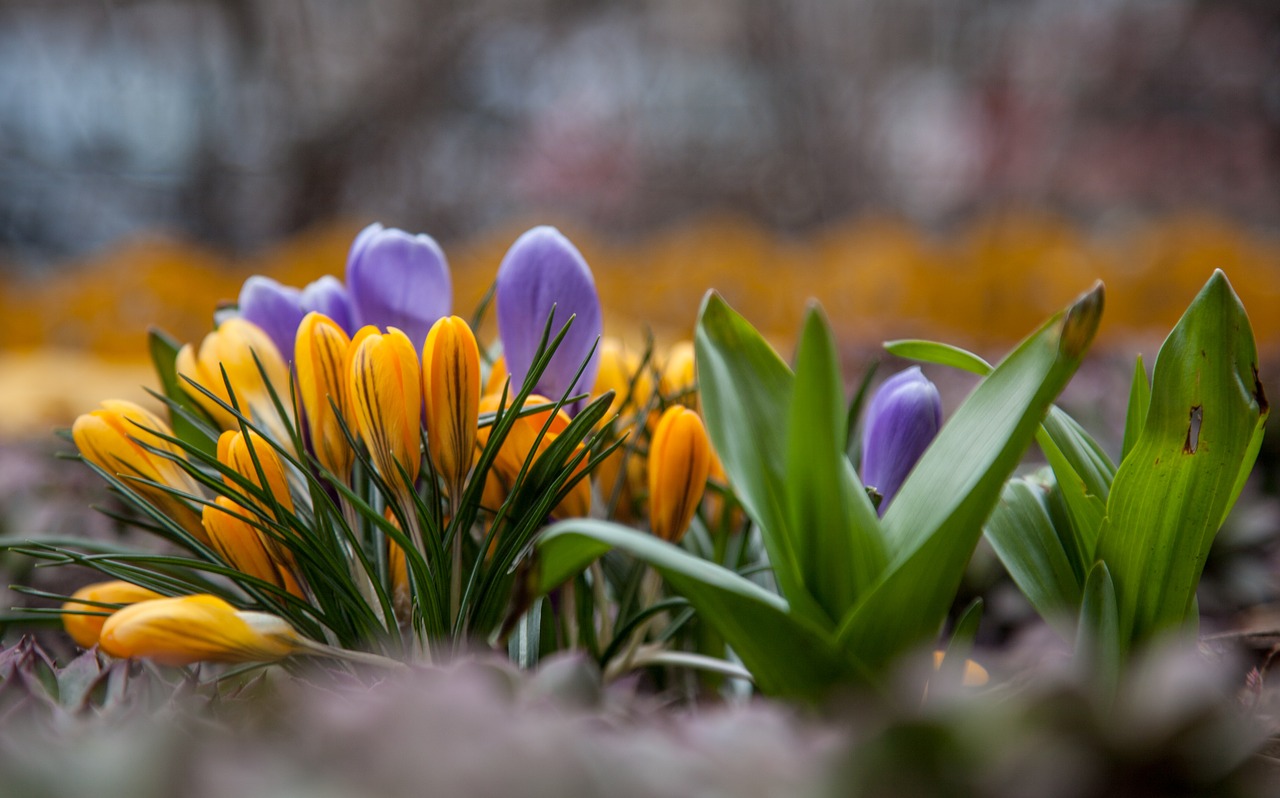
1136 413
938 353
787 655
935 520
1171 493
837 533
164 354
1099 646
746 391
1022 533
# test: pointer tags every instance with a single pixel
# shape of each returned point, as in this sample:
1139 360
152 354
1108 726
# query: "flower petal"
276 308
330 297
399 280
902 420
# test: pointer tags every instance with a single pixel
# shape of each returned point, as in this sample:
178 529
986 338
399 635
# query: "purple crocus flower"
902 420
329 296
543 269
276 308
399 280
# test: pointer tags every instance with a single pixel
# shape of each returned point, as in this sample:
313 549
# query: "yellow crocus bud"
497 377
621 373
386 395
202 628
398 570
518 447
451 393
237 452
679 375
84 629
320 359
245 547
114 438
231 348
679 460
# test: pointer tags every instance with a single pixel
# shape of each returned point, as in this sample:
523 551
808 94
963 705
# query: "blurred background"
945 168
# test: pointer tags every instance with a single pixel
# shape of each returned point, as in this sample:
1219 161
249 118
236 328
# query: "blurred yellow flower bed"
983 286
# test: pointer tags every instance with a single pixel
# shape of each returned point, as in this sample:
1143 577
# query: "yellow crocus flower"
386 394
232 348
84 629
115 436
518 447
679 461
451 392
498 375
320 359
246 548
237 452
679 374
202 628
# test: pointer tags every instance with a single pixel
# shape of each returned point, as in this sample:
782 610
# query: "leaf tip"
1081 322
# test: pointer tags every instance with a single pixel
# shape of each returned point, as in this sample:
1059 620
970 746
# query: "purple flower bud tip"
398 280
543 270
276 308
329 296
902 420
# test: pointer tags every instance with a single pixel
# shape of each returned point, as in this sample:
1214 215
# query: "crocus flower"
679 460
451 394
541 270
902 420
116 437
320 360
398 280
238 453
386 394
84 629
201 628
244 547
679 374
279 309
329 296
233 347
518 447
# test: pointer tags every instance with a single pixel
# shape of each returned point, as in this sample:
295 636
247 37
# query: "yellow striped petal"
386 394
84 629
113 438
320 359
232 348
246 548
451 393
679 460
237 452
203 628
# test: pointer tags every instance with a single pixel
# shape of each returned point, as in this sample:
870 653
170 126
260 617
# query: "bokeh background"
947 168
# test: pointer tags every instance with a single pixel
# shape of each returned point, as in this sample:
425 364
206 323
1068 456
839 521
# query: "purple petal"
275 308
540 270
902 420
398 280
329 296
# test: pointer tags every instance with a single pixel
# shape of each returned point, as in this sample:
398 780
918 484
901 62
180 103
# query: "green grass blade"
1173 490
787 655
937 516
836 531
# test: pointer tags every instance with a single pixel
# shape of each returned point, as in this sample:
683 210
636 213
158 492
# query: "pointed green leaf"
1099 646
1171 493
837 533
1083 473
935 520
787 655
1022 533
1136 414
746 391
938 353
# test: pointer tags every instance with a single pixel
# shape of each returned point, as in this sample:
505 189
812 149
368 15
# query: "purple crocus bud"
540 270
399 280
902 420
329 296
276 308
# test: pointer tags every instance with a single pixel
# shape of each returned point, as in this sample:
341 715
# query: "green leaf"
935 520
746 396
939 353
788 655
164 353
1178 482
836 531
1136 413
1021 531
1083 473
853 443
1099 646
